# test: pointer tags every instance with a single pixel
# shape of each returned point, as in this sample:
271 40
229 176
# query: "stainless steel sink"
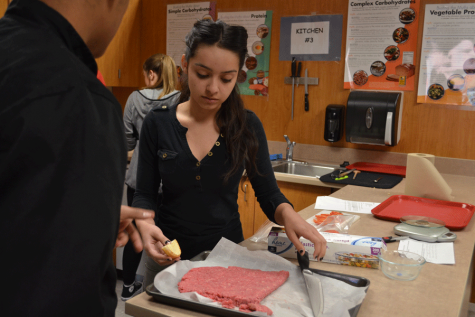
302 169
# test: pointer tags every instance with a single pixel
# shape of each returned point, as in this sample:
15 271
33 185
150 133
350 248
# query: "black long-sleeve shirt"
198 208
62 167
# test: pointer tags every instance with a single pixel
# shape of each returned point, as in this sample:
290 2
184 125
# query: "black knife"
306 89
294 74
299 68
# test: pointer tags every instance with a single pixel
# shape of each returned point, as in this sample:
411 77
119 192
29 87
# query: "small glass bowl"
401 265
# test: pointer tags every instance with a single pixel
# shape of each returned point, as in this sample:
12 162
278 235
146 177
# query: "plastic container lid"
421 221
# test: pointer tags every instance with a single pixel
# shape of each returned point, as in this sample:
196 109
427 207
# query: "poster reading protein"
180 20
254 76
447 68
381 44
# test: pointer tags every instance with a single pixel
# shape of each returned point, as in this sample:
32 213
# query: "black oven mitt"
366 179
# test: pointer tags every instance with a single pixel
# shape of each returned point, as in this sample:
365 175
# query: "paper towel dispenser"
374 117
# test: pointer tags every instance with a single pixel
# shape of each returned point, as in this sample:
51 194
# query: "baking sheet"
291 299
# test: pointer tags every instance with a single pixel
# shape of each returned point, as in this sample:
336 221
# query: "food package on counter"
343 249
405 70
332 221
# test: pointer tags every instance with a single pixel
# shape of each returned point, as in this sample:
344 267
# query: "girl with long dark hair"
199 150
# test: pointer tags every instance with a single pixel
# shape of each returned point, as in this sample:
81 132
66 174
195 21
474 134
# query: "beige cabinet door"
121 65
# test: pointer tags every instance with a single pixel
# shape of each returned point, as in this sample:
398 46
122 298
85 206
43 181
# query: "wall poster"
447 68
381 44
180 20
254 77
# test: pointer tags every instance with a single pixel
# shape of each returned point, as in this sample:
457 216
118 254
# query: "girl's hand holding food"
154 241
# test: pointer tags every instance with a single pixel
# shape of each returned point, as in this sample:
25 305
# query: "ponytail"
169 76
165 68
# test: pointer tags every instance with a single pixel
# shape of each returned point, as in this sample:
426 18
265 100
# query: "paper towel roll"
424 180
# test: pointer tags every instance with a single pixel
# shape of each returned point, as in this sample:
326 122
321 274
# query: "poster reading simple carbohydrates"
180 20
447 68
381 44
254 77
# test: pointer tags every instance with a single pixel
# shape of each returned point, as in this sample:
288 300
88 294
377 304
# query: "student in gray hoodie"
160 76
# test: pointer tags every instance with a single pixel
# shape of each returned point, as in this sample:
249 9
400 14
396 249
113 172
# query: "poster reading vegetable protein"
381 44
447 68
180 20
254 76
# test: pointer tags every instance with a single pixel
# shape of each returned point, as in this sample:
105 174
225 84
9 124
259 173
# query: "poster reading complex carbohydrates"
381 44
447 68
254 77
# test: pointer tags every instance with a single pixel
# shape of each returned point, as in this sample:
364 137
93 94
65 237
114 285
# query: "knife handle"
306 102
293 67
388 239
304 261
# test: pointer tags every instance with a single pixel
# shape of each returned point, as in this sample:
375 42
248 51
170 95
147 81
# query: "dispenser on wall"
374 117
334 123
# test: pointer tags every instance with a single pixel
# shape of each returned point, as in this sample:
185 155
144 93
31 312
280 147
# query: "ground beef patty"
233 286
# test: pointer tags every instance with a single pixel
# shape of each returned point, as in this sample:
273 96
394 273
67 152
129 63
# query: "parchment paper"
291 299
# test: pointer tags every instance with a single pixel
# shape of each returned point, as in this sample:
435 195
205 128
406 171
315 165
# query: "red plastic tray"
455 215
379 168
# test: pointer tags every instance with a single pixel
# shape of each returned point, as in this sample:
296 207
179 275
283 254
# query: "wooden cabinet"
246 203
121 65
300 195
3 7
252 216
154 28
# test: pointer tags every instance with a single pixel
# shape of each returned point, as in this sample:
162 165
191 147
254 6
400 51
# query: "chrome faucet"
289 152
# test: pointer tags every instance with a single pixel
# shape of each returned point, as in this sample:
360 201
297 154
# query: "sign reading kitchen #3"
311 38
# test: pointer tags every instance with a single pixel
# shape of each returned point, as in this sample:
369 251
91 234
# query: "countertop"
439 290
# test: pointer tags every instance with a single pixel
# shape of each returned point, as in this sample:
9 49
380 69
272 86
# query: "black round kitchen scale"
424 229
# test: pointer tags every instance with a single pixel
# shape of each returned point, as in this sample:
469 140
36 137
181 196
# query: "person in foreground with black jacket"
62 160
